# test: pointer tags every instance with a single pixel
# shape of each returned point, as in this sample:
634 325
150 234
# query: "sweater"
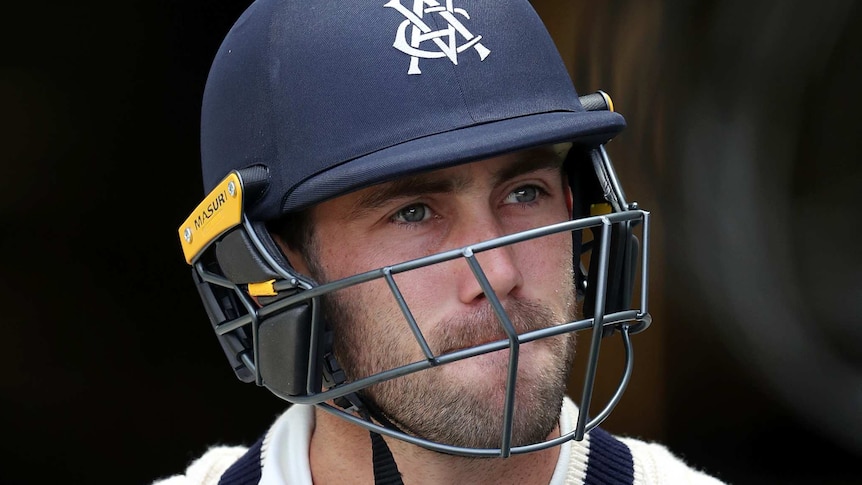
280 457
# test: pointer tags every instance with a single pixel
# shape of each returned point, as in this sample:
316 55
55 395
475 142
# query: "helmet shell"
332 96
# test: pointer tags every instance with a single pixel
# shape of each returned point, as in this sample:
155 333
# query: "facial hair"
430 404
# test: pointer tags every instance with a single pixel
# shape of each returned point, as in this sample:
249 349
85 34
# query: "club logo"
445 40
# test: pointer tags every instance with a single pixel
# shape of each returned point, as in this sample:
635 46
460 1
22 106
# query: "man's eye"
523 195
412 214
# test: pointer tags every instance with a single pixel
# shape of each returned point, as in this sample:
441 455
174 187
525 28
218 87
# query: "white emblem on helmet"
445 39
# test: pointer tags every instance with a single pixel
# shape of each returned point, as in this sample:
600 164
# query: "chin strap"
385 469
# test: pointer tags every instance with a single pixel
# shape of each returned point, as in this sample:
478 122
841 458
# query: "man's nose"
499 266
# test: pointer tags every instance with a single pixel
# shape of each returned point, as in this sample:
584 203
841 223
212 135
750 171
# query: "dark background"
743 140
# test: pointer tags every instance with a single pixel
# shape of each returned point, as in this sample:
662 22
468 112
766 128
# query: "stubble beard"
431 404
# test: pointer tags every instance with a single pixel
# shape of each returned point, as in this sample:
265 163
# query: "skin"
460 403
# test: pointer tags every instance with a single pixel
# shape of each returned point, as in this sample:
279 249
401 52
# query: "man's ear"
570 201
294 257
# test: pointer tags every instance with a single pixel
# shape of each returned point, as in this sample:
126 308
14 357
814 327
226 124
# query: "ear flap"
575 173
275 348
284 351
281 344
593 195
622 262
240 261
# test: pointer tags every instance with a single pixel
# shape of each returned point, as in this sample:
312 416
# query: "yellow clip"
600 209
264 288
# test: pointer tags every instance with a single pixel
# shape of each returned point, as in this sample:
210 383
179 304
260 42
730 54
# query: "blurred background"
743 142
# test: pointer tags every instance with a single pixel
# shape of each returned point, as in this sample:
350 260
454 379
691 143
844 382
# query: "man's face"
459 403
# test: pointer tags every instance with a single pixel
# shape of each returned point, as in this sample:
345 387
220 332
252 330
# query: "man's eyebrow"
410 186
431 183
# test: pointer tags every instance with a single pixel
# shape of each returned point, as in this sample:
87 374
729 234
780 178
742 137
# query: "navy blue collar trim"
609 461
246 470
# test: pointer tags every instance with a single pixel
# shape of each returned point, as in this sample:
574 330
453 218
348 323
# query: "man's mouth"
484 327
477 343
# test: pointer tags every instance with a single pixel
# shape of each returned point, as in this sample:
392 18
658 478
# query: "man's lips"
449 350
483 326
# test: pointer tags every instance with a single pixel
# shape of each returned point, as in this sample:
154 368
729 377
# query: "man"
392 241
